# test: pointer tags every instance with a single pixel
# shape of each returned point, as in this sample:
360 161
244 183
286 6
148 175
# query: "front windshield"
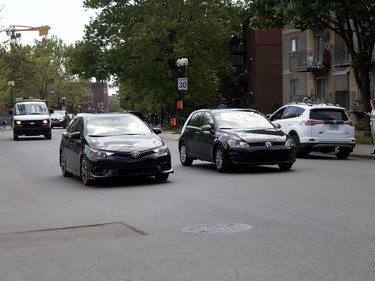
35 108
59 113
116 125
244 120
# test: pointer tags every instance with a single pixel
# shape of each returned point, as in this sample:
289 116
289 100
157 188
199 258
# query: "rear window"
328 114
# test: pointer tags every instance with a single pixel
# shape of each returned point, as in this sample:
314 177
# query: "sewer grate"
214 228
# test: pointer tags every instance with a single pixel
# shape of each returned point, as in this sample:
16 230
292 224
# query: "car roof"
316 105
103 115
227 109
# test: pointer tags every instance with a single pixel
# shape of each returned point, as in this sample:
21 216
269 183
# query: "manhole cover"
213 228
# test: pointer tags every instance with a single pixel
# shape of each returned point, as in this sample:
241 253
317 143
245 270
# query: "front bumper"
31 131
58 124
125 167
262 155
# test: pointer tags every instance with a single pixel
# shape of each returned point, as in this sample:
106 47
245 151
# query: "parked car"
100 146
230 137
31 117
317 127
60 118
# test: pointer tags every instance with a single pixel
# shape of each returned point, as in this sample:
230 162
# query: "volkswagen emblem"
268 144
134 154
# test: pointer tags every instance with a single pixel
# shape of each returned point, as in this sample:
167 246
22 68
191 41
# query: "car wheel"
184 158
64 172
342 154
161 177
285 166
300 152
220 161
85 172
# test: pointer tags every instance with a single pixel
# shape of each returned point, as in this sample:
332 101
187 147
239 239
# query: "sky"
66 18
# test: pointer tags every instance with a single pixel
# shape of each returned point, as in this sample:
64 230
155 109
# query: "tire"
161 177
300 152
85 172
220 160
342 154
64 172
184 158
285 166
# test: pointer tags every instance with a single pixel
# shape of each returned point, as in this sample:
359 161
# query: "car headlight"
161 150
96 154
289 142
237 143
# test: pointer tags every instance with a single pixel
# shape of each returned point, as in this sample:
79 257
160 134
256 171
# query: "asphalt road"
315 222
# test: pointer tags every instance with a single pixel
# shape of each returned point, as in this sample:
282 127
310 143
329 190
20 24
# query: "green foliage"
38 71
138 42
275 107
362 138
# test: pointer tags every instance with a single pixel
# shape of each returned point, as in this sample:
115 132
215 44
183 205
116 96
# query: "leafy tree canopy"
38 71
138 42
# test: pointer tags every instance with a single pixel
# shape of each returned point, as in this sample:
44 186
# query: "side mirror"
157 130
75 135
206 128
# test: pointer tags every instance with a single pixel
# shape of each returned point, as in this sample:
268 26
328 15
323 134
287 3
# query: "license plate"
333 126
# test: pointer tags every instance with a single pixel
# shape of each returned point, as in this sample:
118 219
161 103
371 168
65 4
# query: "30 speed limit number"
182 84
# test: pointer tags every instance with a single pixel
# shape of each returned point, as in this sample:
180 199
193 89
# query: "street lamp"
181 63
11 84
63 103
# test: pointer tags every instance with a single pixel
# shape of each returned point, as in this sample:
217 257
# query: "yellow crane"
13 30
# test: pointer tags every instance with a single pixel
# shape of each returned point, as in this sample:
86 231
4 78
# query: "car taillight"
348 122
312 122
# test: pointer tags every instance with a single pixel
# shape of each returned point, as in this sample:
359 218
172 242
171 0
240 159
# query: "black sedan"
100 146
230 137
60 118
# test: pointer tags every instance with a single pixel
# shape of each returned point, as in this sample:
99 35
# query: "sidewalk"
360 150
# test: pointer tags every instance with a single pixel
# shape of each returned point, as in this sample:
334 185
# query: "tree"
352 20
138 42
39 71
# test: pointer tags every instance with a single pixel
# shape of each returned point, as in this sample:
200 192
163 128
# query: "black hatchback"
230 137
99 146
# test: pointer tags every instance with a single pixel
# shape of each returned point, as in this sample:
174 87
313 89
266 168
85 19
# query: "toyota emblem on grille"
268 144
134 154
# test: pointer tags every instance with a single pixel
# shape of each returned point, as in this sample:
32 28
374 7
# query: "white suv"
317 127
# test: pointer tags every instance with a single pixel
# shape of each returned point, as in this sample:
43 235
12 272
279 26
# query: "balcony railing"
303 61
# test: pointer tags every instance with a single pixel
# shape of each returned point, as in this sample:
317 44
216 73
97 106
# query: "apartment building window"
293 46
293 88
320 89
318 47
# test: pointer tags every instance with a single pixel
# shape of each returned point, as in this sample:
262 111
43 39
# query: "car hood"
31 117
125 143
273 135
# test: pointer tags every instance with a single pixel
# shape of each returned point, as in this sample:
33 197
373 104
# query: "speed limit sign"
182 84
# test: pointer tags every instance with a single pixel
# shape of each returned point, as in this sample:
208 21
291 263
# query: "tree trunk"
366 96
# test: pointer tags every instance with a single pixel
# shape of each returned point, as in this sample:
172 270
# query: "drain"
214 228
